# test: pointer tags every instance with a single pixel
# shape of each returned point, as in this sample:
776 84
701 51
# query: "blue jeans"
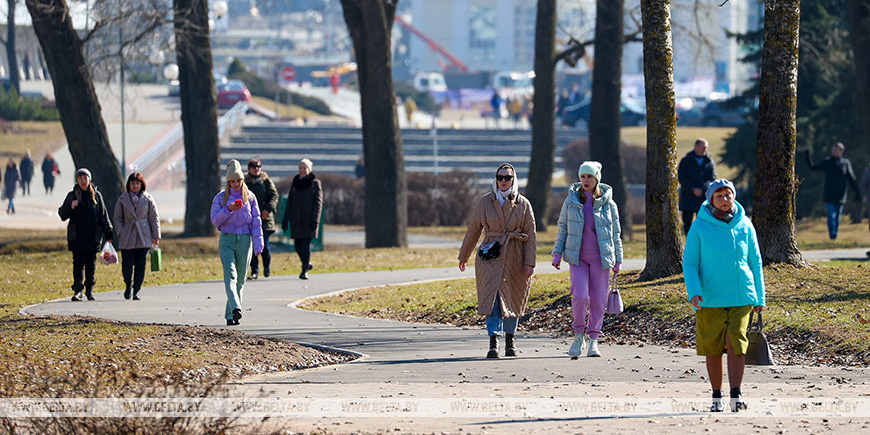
835 210
496 324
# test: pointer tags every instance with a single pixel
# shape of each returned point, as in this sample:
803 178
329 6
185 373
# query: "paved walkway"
412 373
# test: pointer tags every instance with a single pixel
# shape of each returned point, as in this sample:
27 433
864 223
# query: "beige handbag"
758 352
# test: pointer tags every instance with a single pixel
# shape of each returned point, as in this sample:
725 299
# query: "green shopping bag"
156 259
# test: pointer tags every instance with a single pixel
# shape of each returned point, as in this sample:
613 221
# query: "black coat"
304 204
12 178
267 197
838 171
26 169
89 223
692 176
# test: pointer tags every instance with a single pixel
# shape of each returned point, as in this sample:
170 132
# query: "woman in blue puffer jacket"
588 239
725 282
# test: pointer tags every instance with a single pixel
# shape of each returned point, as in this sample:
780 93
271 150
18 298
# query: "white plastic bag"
108 255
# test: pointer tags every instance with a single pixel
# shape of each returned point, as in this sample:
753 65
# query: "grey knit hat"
83 171
716 185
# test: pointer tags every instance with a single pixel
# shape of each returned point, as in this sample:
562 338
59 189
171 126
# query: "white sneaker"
577 347
738 404
593 347
718 404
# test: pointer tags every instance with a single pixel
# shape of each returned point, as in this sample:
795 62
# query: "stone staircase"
336 149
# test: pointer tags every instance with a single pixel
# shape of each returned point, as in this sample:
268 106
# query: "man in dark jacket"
26 168
695 172
838 171
263 188
89 225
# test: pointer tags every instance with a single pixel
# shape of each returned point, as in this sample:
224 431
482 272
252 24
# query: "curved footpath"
425 378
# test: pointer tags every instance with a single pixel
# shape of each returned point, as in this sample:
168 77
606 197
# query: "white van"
430 81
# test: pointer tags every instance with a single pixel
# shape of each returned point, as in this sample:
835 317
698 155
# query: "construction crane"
453 61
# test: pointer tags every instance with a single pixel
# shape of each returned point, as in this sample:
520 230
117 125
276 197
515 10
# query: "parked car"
631 113
231 92
720 114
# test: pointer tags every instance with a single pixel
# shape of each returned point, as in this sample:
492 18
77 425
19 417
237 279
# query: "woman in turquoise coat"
725 282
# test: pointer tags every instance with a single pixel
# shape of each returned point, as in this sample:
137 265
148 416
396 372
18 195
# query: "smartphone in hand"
238 203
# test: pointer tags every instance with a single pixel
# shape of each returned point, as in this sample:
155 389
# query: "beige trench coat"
513 224
136 226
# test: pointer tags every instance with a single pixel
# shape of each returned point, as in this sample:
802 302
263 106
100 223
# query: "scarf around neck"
510 194
303 182
724 216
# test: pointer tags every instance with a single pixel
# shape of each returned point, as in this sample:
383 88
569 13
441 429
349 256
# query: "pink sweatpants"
588 290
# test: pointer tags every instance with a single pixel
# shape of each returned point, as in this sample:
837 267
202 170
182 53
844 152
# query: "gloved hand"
617 267
557 259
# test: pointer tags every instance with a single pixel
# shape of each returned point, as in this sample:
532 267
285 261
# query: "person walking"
695 172
137 223
50 171
26 167
89 225
263 188
235 213
11 177
838 171
724 283
495 104
505 260
588 238
302 213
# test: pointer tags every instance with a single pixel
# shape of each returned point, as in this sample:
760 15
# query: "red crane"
454 61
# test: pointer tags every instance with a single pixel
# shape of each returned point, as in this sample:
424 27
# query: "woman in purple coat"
234 211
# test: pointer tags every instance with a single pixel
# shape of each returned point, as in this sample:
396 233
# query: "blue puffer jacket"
570 232
722 262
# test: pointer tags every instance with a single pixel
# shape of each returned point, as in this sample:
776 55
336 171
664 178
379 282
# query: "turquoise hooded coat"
722 261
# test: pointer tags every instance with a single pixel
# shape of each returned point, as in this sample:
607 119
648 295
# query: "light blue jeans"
496 324
235 252
835 210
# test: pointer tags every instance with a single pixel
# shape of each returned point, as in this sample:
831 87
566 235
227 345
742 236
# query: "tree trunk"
370 23
605 119
664 252
543 130
775 181
859 34
75 97
198 114
11 55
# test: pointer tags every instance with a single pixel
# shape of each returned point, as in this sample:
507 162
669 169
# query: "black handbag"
758 352
488 251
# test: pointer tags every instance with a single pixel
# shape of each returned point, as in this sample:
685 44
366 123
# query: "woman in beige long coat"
505 259
138 227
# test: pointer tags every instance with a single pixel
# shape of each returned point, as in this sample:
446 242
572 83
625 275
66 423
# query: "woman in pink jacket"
235 213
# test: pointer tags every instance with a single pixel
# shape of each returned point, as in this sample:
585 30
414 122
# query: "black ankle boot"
127 292
509 349
136 294
89 294
493 347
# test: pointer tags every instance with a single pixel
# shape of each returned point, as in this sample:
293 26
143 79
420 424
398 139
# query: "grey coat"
607 228
136 226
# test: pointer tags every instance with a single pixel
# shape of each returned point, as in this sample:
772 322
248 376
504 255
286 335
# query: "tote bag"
758 352
614 299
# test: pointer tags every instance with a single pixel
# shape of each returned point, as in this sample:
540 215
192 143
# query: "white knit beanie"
591 168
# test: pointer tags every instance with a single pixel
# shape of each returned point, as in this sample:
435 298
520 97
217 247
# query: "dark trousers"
303 249
267 256
25 187
688 217
84 263
133 266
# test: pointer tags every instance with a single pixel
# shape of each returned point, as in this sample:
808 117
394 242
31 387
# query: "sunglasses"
504 177
254 166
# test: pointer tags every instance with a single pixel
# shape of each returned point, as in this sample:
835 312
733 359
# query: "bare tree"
605 119
198 114
75 97
370 23
663 248
775 180
9 42
859 34
543 131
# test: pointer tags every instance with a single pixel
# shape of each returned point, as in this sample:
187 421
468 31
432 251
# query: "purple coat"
245 220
